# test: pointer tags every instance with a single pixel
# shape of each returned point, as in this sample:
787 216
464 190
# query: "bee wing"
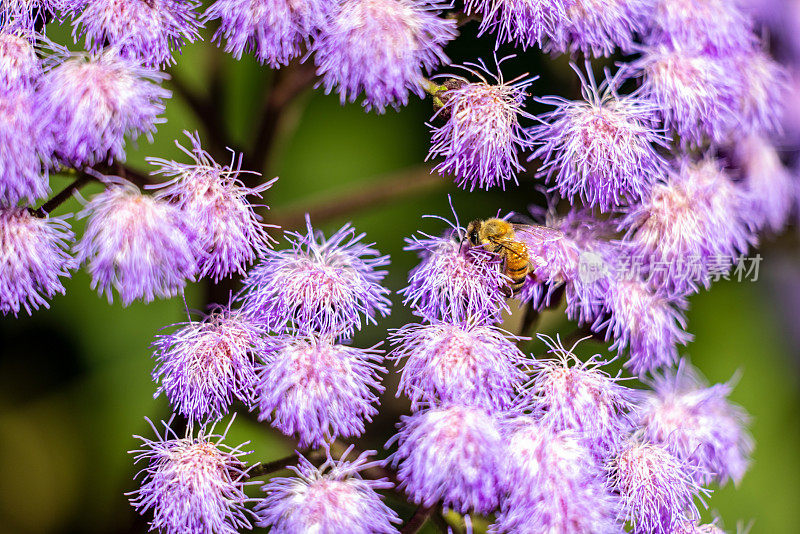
534 236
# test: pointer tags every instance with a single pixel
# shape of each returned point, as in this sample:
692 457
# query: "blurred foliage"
75 379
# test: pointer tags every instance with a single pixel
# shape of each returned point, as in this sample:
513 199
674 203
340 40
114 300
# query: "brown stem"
422 514
282 463
288 84
400 185
207 111
63 195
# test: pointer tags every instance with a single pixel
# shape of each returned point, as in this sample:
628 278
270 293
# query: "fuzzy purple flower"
382 48
769 184
32 259
202 366
328 499
19 66
481 137
698 424
454 281
27 14
22 175
694 224
193 485
89 104
570 394
143 30
214 198
453 454
598 27
762 94
524 22
696 93
317 390
318 284
646 323
140 246
601 149
716 27
274 30
656 489
553 482
461 362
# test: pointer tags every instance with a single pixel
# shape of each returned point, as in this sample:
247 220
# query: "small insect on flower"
315 389
88 104
454 282
274 30
194 484
318 284
569 394
553 482
698 424
140 246
481 137
32 259
144 30
214 199
603 148
202 366
657 490
328 499
382 48
463 362
451 453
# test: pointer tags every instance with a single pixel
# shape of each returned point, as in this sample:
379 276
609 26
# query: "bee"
518 245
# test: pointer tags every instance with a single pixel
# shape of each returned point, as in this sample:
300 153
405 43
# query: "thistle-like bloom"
317 390
32 259
695 92
553 482
145 31
27 14
769 184
570 394
140 246
691 527
693 224
762 93
716 27
22 175
481 137
524 22
202 366
451 453
461 362
193 485
646 323
381 47
601 149
19 66
274 30
599 27
328 499
214 199
698 424
454 281
656 489
318 284
89 104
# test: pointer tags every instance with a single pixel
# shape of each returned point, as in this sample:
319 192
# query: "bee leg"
507 292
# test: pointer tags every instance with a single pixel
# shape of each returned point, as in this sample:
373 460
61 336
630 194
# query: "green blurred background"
75 379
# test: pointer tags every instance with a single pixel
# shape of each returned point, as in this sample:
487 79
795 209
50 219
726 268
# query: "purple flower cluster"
481 137
213 197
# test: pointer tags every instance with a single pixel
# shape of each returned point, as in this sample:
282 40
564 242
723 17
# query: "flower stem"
421 515
63 195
